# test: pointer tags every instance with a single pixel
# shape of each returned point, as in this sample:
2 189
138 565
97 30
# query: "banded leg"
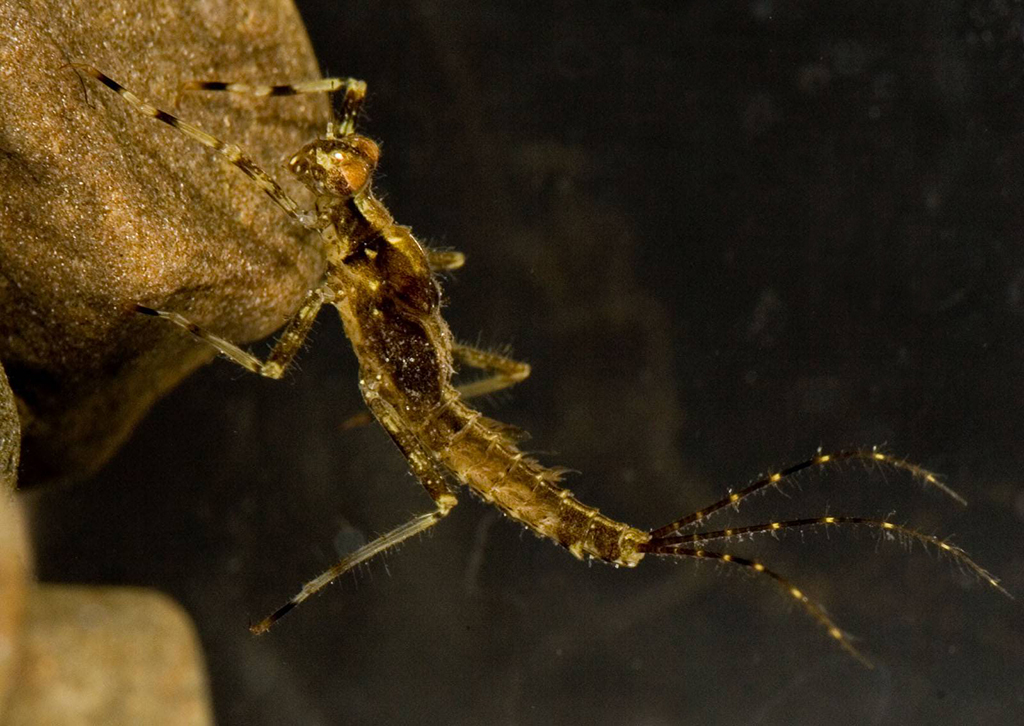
346 109
773 480
666 545
429 474
284 351
231 152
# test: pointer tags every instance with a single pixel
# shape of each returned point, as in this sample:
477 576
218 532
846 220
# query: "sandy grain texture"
104 655
103 208
14 558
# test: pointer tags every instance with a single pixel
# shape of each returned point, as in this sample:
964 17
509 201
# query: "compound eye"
298 164
365 148
351 172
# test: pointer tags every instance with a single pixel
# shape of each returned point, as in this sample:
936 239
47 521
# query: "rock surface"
110 656
86 655
103 208
13 544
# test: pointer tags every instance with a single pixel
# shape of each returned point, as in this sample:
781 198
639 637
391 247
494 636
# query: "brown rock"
82 655
10 438
103 207
110 656
14 559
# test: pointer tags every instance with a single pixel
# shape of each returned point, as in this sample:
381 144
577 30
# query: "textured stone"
110 656
84 655
13 548
10 436
103 207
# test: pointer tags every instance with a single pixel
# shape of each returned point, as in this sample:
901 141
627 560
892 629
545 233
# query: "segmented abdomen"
485 458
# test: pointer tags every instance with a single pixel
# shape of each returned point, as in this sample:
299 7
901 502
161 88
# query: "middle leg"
284 351
505 372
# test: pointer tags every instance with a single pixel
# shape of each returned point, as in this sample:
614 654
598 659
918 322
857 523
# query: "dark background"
723 234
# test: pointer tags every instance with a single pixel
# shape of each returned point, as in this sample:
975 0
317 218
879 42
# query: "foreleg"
231 152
